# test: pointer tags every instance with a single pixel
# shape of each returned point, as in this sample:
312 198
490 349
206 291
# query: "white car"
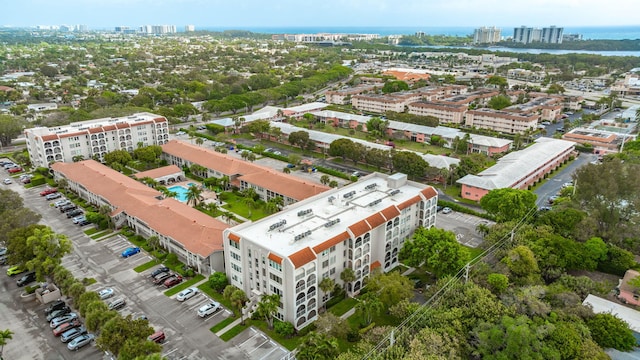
7 181
106 293
62 319
208 309
447 210
187 294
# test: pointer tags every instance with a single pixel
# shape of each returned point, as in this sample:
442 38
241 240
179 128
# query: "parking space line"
269 353
258 347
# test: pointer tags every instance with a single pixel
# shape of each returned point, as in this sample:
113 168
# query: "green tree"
10 128
409 163
48 250
121 157
499 102
17 248
137 348
218 281
347 276
318 346
509 204
523 265
325 179
4 336
118 330
437 249
13 214
611 332
48 71
498 81
238 299
194 195
147 154
390 288
368 306
498 283
341 147
97 317
394 86
326 285
555 89
299 138
377 127
268 307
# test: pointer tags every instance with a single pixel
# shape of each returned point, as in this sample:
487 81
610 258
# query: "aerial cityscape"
416 180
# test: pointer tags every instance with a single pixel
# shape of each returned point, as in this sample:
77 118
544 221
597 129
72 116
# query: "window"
332 249
236 267
275 278
325 264
274 265
234 244
235 256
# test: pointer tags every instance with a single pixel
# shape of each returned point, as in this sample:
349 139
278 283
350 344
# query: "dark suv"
158 271
68 207
26 278
56 305
74 212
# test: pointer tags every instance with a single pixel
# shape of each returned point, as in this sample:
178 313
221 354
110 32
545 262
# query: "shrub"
190 272
172 259
335 173
353 336
37 180
284 328
218 281
31 289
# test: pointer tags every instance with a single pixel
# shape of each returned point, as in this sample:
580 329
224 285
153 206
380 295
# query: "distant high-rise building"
121 29
571 37
189 28
527 35
158 29
82 28
486 35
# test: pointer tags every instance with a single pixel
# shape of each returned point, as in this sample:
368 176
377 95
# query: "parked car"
80 341
117 304
130 251
173 281
446 210
58 312
62 328
159 279
84 222
53 196
48 191
3 251
15 170
77 219
74 213
55 322
356 174
208 309
56 305
553 198
15 270
7 182
158 271
26 279
3 259
72 334
187 294
106 293
68 207
157 337
25 180
277 152
61 202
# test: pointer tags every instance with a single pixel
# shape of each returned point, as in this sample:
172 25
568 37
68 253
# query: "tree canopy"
509 204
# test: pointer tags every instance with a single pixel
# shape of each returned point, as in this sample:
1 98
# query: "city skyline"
100 14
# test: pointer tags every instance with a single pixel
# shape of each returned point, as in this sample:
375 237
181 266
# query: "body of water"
540 51
587 32
181 191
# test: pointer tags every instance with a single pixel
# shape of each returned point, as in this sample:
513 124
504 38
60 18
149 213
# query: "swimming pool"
181 191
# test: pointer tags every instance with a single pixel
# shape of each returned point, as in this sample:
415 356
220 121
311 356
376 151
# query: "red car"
66 326
48 191
173 281
15 170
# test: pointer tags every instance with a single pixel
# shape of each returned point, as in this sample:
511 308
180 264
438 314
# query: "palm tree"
319 346
237 298
224 181
199 141
251 204
154 242
194 195
286 170
150 182
368 305
326 285
227 216
4 336
347 275
268 306
325 179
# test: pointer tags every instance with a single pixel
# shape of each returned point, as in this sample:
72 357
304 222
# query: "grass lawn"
91 231
222 324
289 343
343 306
101 234
235 204
145 266
107 237
176 289
235 330
473 252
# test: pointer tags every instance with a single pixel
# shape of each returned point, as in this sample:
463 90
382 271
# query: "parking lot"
187 335
464 226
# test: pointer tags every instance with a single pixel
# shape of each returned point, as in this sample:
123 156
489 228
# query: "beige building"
502 121
445 112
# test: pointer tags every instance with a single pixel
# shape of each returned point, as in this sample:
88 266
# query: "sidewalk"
235 323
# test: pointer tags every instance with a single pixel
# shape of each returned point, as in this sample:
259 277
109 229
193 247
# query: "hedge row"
463 209
335 173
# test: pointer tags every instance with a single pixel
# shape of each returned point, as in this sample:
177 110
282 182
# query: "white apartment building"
361 226
527 35
445 112
502 121
92 139
486 35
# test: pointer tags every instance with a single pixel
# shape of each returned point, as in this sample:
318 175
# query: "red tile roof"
275 258
409 202
359 228
429 192
284 184
197 232
390 212
375 264
331 242
302 257
234 237
159 172
375 220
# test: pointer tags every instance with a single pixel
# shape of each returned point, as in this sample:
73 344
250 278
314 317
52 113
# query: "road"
554 183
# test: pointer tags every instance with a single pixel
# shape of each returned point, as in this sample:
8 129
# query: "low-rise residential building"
502 121
519 169
92 139
343 96
268 183
549 107
42 107
603 142
445 112
165 175
381 103
361 227
626 292
195 237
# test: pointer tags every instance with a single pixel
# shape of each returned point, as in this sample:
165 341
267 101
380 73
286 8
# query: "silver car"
80 341
62 319
72 334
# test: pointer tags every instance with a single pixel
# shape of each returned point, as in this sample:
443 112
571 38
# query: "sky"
105 14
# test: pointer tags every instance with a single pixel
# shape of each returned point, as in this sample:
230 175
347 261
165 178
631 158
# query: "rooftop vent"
330 223
394 192
305 212
277 225
349 194
371 186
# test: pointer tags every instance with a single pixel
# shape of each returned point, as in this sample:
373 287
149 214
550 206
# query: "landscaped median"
146 266
187 284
